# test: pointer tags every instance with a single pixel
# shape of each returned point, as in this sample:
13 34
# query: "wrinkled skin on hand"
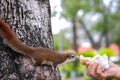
95 70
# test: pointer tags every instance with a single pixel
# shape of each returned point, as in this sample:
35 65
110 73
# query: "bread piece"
83 59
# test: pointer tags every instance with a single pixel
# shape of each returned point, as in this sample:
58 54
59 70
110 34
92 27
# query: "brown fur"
37 54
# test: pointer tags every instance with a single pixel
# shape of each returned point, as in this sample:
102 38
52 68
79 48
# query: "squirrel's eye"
72 56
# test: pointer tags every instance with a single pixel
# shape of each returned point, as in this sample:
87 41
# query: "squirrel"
38 55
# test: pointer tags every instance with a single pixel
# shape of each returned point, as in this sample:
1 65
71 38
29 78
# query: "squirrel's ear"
66 55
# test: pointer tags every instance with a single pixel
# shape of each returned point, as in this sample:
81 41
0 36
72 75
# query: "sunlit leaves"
71 7
97 6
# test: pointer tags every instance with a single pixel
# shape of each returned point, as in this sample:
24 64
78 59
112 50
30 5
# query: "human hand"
95 70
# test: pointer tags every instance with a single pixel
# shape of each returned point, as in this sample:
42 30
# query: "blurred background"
88 27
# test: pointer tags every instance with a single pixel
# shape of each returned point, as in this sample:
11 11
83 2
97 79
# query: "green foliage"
107 21
115 26
97 6
73 69
109 24
87 53
99 26
101 51
116 16
106 51
114 36
108 18
71 7
61 39
55 39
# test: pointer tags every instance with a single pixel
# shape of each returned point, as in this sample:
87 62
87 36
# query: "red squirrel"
38 55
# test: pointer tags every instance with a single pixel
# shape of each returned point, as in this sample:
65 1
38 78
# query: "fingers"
99 72
87 64
92 69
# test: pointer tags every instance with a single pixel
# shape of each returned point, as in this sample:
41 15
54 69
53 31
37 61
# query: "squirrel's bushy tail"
10 38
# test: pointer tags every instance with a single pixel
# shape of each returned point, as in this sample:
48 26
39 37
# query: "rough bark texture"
30 20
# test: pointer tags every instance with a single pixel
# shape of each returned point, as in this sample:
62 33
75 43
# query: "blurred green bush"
106 51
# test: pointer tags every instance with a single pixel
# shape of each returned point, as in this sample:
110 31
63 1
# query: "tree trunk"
95 45
75 46
30 20
106 30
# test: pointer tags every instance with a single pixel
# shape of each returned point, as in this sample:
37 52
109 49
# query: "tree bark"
75 46
95 45
30 20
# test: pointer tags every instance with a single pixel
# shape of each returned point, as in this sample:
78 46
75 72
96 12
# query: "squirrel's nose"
77 58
